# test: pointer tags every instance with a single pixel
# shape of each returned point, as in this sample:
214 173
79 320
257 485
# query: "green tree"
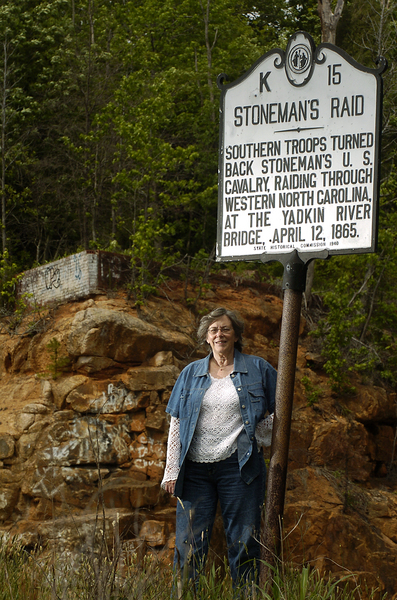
109 139
33 83
275 21
160 128
358 330
15 108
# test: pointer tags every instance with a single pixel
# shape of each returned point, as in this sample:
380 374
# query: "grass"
41 575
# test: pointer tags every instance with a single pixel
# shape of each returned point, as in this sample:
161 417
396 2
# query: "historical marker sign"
299 155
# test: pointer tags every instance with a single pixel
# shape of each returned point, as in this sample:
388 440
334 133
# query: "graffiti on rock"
77 268
52 277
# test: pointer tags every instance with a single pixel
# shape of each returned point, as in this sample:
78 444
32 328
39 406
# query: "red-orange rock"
7 446
150 378
119 336
137 422
342 445
96 438
8 499
154 533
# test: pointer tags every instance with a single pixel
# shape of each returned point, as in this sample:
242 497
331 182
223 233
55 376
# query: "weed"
312 393
344 410
20 573
197 273
58 363
304 583
8 281
34 575
149 261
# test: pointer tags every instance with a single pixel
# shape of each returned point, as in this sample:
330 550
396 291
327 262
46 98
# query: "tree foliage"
358 331
109 139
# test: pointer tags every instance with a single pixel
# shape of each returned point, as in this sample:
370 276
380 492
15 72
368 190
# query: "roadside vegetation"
109 140
118 575
109 128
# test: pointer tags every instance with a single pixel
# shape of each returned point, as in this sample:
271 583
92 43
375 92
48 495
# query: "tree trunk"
209 47
329 19
329 22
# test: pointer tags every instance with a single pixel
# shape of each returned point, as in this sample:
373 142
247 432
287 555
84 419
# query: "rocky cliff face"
94 438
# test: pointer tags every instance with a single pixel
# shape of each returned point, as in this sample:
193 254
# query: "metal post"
294 285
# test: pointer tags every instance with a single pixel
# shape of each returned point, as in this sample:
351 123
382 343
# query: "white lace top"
218 427
219 423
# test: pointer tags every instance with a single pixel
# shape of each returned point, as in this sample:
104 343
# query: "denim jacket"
255 383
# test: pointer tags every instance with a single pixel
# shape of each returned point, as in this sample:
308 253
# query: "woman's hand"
169 486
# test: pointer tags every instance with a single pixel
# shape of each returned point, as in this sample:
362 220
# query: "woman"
218 408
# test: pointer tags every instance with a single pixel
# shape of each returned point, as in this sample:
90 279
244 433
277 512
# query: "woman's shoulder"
259 361
196 366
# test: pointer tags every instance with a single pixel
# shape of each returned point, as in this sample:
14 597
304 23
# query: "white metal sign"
299 154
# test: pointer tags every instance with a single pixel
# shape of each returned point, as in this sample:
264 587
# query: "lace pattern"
264 430
173 453
219 423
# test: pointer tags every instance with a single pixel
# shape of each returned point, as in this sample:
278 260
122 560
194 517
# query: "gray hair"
237 322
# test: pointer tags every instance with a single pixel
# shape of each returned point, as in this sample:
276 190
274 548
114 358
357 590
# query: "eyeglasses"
214 330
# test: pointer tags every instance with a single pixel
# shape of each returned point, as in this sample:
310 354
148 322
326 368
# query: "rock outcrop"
92 441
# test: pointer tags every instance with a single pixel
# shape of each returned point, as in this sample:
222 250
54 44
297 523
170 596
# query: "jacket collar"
239 364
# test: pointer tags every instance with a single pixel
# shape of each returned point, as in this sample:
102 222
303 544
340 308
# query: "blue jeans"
241 507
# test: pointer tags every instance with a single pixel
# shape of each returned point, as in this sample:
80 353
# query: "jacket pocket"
257 399
256 394
185 405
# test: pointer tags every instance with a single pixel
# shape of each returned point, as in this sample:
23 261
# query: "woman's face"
221 336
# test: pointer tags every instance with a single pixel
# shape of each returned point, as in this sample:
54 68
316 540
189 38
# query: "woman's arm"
173 456
263 431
